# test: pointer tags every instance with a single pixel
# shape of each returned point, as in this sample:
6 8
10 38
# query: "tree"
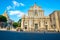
15 24
19 22
3 20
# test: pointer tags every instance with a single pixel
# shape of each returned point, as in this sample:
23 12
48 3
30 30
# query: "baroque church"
36 21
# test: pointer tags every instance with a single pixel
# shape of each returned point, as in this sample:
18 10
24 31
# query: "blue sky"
16 8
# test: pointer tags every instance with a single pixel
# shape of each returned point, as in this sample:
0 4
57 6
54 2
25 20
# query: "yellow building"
36 21
6 15
55 20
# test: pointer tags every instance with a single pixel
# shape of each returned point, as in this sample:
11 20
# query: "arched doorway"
36 27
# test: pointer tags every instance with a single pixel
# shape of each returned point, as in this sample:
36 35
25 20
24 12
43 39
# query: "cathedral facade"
36 21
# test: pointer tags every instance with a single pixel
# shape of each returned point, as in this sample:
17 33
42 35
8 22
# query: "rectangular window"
46 26
53 26
25 22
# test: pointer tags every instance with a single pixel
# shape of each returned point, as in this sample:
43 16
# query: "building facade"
55 20
36 21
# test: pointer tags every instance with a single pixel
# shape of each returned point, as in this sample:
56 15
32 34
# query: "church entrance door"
36 27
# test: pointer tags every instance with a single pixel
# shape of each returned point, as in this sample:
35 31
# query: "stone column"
22 24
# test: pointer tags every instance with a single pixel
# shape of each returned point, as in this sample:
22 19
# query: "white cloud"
22 4
16 12
17 3
12 7
9 7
